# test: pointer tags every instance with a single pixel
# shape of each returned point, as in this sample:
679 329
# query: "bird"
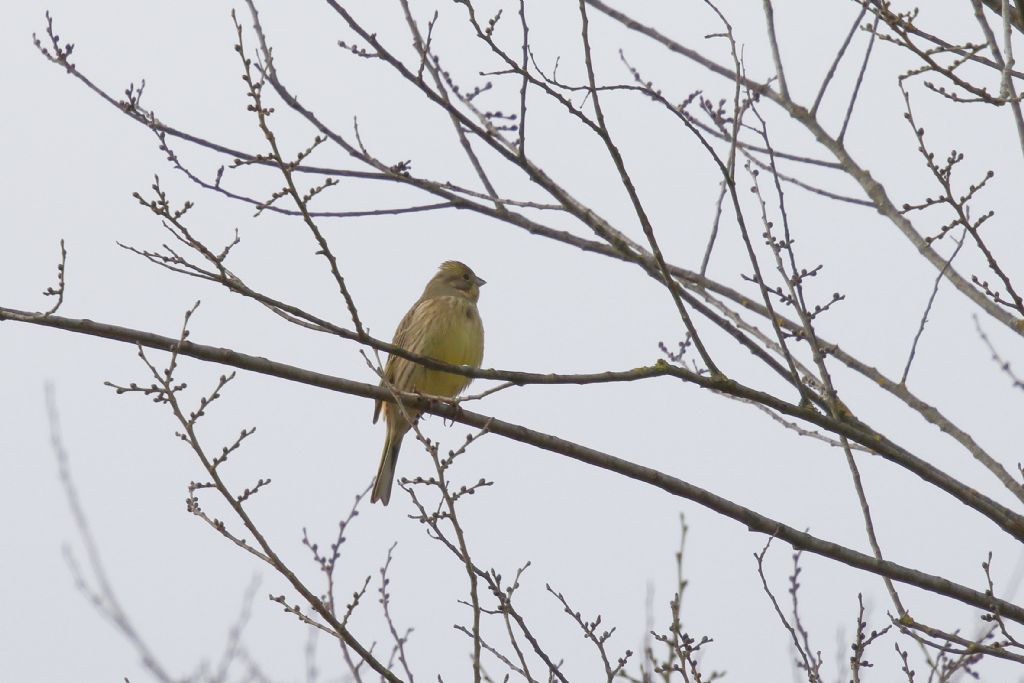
443 324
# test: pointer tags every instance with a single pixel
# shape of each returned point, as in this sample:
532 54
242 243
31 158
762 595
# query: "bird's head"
454 278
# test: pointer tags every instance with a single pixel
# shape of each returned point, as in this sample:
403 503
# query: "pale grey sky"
72 162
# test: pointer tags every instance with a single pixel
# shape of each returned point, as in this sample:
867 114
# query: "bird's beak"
480 282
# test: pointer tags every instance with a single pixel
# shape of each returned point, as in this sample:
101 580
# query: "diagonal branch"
677 487
874 190
634 197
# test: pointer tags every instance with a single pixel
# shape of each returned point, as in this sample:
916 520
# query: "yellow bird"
443 324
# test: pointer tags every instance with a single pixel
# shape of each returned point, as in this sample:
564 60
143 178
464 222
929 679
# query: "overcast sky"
72 162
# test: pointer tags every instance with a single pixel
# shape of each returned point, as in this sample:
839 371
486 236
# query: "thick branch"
677 487
1016 19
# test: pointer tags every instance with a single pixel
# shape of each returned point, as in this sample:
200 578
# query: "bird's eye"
465 276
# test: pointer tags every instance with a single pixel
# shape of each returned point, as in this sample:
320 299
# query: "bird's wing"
410 336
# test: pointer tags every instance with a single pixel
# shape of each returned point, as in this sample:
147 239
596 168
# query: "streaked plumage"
443 324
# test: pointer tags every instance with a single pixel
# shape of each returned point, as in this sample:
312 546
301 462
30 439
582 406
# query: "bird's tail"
386 469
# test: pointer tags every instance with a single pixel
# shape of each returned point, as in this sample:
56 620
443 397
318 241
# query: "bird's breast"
457 338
